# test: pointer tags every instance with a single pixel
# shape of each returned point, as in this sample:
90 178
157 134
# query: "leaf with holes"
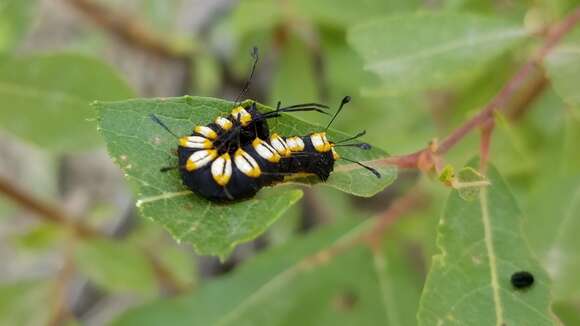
417 51
301 284
141 148
481 245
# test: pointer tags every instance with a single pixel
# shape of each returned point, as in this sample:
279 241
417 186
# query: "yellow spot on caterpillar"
221 169
280 145
195 142
320 142
335 155
240 114
199 159
265 151
224 123
206 132
247 164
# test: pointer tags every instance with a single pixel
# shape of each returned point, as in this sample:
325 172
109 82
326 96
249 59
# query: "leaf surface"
16 300
299 284
15 17
140 147
481 245
563 65
46 99
552 224
412 52
116 266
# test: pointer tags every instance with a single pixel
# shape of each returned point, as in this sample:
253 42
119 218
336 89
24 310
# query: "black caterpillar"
233 157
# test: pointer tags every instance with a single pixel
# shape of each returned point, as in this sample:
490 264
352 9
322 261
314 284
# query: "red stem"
555 35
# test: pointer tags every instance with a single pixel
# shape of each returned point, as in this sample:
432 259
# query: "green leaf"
15 16
296 63
342 13
116 266
17 300
179 263
141 148
563 65
299 284
411 52
253 15
552 228
470 183
41 237
481 245
47 98
567 312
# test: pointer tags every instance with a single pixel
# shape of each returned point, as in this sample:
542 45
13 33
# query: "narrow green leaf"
411 52
563 65
141 148
46 98
116 266
295 284
481 245
552 227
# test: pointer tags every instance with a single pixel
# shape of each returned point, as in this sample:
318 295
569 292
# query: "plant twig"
129 29
555 35
44 210
413 200
52 214
485 143
164 276
373 236
60 309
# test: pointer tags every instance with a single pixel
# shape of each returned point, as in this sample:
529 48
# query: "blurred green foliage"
416 70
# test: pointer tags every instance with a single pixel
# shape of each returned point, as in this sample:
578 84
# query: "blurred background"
57 56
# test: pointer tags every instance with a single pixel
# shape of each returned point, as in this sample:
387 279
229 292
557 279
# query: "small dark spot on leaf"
188 206
345 301
522 280
188 99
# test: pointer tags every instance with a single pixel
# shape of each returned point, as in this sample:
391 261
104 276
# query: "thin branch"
372 237
165 277
44 210
60 310
555 35
485 143
53 214
129 29
412 200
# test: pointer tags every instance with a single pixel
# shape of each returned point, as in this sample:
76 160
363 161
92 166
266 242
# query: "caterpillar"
234 169
235 156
